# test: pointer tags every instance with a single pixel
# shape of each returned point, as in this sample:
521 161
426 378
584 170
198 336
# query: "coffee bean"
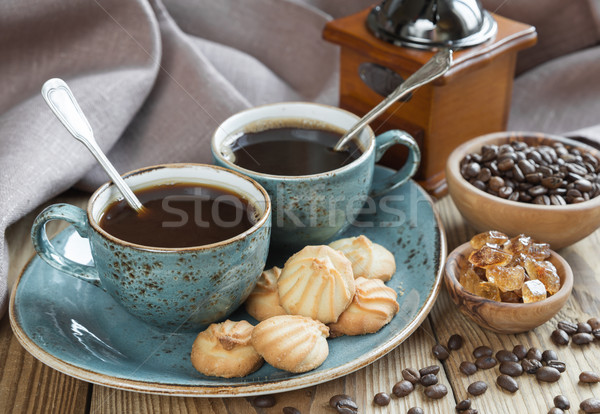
335 400
504 356
403 388
472 169
569 327
534 353
555 410
482 351
558 365
343 409
467 368
429 379
463 405
596 333
415 410
411 374
486 362
432 369
531 366
591 405
455 342
547 374
549 355
520 351
559 337
477 388
514 369
440 352
381 399
495 183
582 338
264 401
508 383
562 402
436 391
589 377
291 410
594 323
584 327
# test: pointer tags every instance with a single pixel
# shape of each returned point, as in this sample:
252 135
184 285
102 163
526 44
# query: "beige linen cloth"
156 78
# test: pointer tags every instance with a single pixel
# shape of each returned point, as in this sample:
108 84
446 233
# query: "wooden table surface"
28 386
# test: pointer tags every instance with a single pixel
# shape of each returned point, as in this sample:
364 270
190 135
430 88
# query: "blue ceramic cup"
172 288
311 209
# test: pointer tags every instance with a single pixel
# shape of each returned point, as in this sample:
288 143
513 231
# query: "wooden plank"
534 395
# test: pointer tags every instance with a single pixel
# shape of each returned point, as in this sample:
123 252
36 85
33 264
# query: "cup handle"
76 217
384 142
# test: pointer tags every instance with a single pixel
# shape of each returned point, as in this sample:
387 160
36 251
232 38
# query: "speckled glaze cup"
171 288
310 209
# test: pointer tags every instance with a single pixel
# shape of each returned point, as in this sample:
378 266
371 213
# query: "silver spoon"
433 69
60 99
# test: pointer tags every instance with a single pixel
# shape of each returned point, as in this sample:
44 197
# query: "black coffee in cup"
292 150
180 215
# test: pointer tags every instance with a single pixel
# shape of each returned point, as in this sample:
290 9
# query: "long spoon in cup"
61 101
433 69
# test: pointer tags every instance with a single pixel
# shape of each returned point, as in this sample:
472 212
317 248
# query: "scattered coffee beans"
534 353
569 327
531 366
562 402
520 351
505 356
591 405
549 355
428 380
455 342
436 391
342 401
508 383
584 327
582 338
558 365
589 377
291 410
381 399
482 350
411 374
415 410
514 369
486 362
544 174
463 405
559 337
477 388
555 410
264 401
403 388
547 374
467 368
432 369
440 352
594 323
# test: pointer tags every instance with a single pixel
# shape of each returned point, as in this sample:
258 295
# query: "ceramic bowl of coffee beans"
507 285
545 186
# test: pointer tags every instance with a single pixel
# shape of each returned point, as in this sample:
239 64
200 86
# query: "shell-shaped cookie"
374 305
370 260
291 342
263 302
224 350
316 282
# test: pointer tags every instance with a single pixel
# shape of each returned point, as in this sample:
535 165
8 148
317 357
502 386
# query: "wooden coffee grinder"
383 45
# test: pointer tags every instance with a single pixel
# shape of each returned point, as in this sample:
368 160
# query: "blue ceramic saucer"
81 331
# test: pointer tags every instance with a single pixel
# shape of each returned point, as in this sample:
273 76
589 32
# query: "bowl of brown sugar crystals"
507 285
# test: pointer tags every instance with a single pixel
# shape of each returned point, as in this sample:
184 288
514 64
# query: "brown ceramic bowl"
558 225
501 317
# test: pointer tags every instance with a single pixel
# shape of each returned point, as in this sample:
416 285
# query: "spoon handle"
61 101
434 68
